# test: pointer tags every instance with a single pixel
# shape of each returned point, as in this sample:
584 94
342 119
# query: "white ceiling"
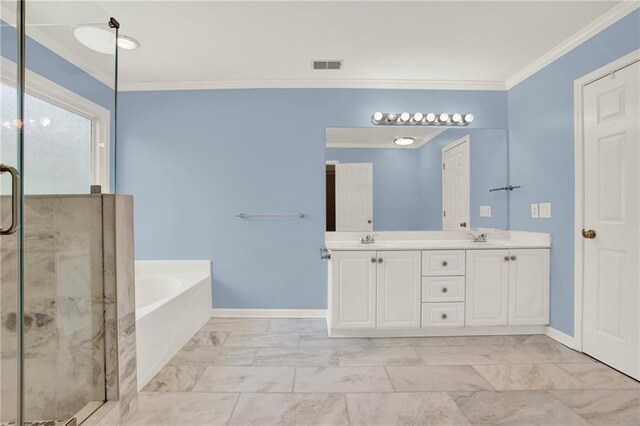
378 137
210 44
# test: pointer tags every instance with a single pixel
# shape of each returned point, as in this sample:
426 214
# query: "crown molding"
611 17
316 84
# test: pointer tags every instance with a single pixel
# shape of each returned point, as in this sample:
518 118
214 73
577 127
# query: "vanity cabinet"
353 289
428 292
375 289
507 287
399 289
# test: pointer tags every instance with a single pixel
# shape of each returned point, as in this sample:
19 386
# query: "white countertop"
439 240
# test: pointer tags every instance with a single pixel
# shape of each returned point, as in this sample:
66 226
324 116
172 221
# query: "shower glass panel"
68 134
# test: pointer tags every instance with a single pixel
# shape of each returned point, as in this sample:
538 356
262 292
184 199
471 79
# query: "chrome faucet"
480 238
367 239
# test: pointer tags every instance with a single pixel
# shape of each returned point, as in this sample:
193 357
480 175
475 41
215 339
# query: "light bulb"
443 118
417 117
404 117
430 118
468 118
377 117
456 118
391 117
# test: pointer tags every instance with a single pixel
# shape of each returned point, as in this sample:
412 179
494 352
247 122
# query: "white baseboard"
563 338
269 313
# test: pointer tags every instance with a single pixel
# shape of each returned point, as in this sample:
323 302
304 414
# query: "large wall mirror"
416 178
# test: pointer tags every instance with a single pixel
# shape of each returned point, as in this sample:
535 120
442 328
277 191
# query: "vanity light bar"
419 118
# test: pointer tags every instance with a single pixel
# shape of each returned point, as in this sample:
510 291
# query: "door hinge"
444 213
443 166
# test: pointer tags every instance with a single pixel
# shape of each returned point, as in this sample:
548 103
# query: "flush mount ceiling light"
127 43
101 39
404 141
419 118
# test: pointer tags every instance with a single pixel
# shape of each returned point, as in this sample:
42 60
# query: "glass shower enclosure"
58 86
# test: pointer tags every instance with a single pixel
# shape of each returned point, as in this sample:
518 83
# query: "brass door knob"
463 225
590 234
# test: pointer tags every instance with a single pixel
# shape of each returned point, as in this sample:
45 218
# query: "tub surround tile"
245 379
436 378
383 409
208 338
207 355
341 379
160 409
461 355
600 376
603 407
175 378
256 340
515 408
297 357
127 367
287 409
529 377
370 356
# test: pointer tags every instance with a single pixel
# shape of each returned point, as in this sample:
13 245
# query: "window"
66 138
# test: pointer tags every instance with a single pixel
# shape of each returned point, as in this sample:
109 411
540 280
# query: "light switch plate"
545 210
534 211
485 211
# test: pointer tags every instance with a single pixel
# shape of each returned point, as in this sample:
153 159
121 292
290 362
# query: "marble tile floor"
287 372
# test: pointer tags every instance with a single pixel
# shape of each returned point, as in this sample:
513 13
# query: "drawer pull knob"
373 260
379 260
444 316
445 263
513 258
444 289
506 258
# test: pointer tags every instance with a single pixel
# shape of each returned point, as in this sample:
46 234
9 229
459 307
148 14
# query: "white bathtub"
173 301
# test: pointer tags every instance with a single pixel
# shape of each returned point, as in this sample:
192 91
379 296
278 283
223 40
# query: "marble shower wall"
64 306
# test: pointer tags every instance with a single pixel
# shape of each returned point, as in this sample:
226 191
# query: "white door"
354 197
529 287
455 185
399 288
487 286
611 318
353 289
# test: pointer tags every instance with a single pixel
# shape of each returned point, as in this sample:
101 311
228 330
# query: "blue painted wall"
407 183
396 192
193 159
542 156
48 64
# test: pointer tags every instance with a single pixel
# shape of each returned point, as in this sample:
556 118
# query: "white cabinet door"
529 287
487 287
353 289
399 288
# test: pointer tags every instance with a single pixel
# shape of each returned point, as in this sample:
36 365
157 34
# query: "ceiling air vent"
327 64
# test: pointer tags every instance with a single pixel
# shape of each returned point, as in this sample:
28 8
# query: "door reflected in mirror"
415 179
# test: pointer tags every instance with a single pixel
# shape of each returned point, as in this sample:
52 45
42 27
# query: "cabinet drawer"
443 289
442 314
445 262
